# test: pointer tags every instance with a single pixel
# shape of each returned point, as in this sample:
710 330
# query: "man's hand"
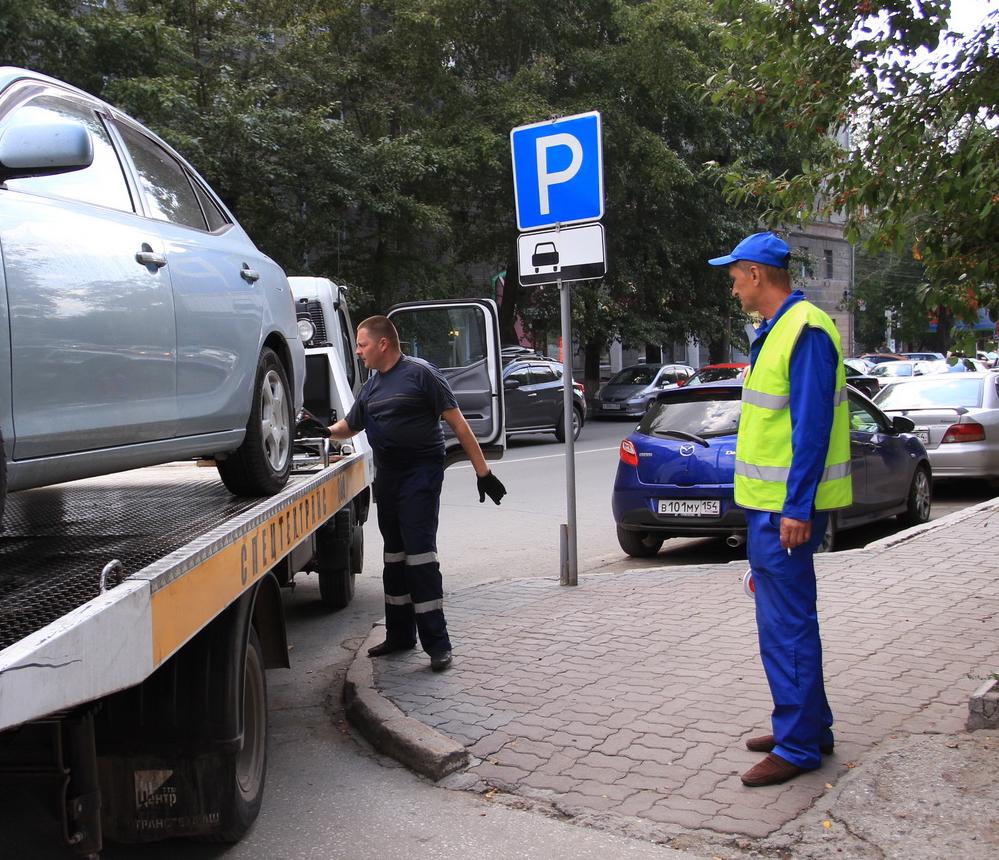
794 533
490 485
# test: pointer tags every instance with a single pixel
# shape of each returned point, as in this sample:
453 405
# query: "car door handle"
148 257
249 275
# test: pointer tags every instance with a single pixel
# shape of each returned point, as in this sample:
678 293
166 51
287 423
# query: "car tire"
335 558
261 465
920 499
639 544
828 542
577 425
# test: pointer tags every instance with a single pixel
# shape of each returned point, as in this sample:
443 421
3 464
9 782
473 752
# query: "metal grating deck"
56 540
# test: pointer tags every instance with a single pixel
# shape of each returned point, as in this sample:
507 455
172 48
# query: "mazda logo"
686 450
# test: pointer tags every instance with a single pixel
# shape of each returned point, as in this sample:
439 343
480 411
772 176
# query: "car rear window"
931 393
705 414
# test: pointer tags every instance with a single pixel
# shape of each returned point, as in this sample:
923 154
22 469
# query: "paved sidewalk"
625 701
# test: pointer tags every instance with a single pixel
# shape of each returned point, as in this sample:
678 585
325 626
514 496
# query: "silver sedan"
956 417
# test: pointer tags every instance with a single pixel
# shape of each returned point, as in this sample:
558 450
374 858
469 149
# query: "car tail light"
970 432
628 453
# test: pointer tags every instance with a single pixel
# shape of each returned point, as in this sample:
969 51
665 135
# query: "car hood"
679 463
622 392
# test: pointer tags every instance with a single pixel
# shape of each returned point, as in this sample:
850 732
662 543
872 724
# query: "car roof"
729 366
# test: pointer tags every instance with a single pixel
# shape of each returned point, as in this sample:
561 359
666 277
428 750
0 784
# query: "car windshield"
930 393
710 414
641 375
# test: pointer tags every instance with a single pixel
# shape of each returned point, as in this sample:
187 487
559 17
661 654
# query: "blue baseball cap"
766 248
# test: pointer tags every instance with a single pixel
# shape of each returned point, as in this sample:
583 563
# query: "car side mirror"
901 424
45 150
511 383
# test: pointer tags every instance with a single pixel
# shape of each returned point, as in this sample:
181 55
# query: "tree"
922 163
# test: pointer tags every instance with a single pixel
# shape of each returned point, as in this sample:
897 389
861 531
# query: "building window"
806 262
829 264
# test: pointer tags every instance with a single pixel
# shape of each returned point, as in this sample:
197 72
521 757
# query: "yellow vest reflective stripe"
763 446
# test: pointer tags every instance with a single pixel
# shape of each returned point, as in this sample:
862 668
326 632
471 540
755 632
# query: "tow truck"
139 612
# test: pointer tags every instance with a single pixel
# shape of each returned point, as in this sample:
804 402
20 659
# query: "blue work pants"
788 626
408 501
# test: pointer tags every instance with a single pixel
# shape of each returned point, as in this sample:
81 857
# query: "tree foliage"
922 166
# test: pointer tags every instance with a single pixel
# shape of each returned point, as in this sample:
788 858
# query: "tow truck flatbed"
188 549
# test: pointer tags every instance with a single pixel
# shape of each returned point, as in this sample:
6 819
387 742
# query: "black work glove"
309 425
490 485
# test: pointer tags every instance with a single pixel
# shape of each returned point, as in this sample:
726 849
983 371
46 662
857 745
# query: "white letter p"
546 179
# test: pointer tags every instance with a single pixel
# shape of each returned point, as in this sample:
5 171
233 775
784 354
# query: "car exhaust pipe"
735 540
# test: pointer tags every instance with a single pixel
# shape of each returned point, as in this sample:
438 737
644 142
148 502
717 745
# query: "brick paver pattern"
632 694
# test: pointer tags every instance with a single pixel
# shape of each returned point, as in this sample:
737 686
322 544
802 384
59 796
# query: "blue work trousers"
788 627
408 500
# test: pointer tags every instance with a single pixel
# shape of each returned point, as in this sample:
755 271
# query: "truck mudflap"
114 640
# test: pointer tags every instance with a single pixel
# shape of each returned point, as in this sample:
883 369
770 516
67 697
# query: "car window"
216 217
667 377
643 374
928 393
541 373
716 414
862 418
520 374
166 187
102 183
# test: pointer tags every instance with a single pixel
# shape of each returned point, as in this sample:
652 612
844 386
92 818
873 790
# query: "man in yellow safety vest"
792 466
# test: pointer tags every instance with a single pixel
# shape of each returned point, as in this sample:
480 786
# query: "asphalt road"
329 795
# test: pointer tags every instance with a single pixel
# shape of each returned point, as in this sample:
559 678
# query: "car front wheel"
261 465
639 544
577 425
920 499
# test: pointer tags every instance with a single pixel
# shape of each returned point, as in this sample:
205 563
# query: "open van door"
461 338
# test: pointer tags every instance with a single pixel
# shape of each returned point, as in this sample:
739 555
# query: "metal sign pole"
568 567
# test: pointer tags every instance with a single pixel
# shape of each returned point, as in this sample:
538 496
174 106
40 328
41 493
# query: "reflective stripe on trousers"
408 502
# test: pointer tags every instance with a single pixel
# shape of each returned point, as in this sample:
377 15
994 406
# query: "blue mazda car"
676 470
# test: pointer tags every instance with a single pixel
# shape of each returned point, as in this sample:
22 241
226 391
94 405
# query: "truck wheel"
261 465
639 544
334 544
357 550
577 425
247 767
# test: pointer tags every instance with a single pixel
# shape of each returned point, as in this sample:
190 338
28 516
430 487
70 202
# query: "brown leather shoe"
771 771
766 743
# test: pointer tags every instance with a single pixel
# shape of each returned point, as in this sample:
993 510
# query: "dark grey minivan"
140 324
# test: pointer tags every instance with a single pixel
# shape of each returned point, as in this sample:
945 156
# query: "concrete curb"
407 740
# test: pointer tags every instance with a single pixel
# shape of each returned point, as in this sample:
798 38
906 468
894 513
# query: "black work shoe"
388 647
439 662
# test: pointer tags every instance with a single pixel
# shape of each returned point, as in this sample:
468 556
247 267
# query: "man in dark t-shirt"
401 407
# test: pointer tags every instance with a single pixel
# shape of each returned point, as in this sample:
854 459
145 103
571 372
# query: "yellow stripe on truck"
186 605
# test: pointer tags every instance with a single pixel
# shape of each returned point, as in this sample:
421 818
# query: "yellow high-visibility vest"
763 446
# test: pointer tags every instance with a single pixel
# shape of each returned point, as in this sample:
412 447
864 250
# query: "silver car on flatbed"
140 324
956 417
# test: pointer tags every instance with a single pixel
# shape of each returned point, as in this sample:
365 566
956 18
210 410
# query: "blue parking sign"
558 172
